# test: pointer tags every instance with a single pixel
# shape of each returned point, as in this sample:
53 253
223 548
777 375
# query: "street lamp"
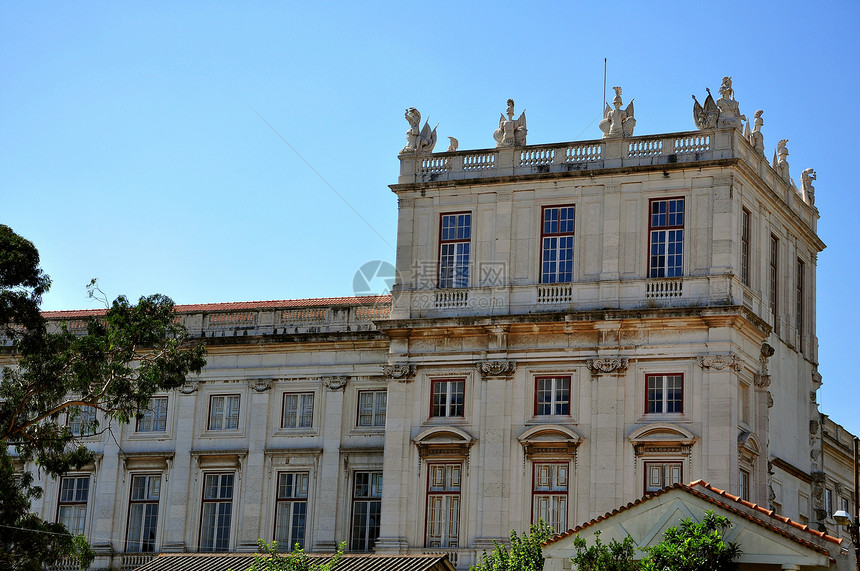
842 517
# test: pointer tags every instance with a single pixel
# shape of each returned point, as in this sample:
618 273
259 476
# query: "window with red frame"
448 398
557 244
664 394
666 238
549 494
552 396
443 505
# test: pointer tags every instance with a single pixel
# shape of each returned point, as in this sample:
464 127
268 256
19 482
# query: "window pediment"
662 438
549 439
447 440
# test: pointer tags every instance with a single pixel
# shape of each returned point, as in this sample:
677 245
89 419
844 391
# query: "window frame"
448 404
664 401
665 464
446 540
74 503
301 397
744 484
459 271
745 246
161 420
291 502
142 527
373 502
555 277
77 419
218 514
225 416
800 294
773 276
553 392
536 494
654 271
374 413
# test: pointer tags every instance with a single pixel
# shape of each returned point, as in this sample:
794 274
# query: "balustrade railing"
663 288
645 148
535 157
479 161
549 294
692 144
451 298
435 165
583 152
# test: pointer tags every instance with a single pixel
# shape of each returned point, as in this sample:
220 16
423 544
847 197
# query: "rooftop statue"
706 116
418 142
617 122
511 133
730 115
452 146
756 138
806 178
780 160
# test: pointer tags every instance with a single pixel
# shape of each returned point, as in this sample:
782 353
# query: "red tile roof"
730 505
239 305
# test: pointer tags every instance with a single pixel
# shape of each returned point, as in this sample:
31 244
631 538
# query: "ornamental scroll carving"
399 373
189 387
604 366
719 362
496 368
335 383
260 385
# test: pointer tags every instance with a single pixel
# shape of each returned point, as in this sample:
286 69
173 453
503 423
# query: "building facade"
573 325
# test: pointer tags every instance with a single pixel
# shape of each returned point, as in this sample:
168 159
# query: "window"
298 410
799 291
658 475
224 412
143 513
366 510
843 502
549 495
371 408
745 246
745 403
552 396
744 485
72 507
773 274
291 511
443 505
154 417
454 243
82 420
666 227
828 501
557 244
448 398
803 508
664 394
217 512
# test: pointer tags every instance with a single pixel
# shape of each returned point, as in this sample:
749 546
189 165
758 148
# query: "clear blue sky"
131 148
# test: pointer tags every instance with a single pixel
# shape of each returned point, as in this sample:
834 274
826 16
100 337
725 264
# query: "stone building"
573 325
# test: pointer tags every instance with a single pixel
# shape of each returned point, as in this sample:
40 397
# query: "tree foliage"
129 352
524 554
614 556
297 560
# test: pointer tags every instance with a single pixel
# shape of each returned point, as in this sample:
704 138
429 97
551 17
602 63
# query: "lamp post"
843 518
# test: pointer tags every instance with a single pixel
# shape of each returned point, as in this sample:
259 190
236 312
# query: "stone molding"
335 383
399 373
720 362
490 369
260 385
605 366
761 381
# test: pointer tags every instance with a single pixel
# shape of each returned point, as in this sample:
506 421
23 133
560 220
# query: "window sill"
564 419
296 432
223 434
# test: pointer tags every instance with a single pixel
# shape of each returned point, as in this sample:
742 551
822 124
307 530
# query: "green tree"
694 546
297 560
129 353
614 556
524 554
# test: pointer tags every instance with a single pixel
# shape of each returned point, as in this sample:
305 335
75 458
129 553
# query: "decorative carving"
780 160
511 133
813 426
617 122
756 138
260 385
452 146
335 383
189 387
401 373
766 353
730 115
719 362
769 400
705 117
806 178
761 381
816 378
603 366
418 142
496 368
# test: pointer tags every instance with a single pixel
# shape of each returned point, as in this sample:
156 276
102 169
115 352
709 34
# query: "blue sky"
132 147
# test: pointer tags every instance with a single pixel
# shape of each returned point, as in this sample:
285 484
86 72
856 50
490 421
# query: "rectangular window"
154 417
800 295
298 410
745 403
745 246
454 245
443 505
366 510
224 412
843 502
371 408
82 420
291 511
557 244
803 508
72 507
773 275
828 501
744 485
448 398
143 513
552 396
549 495
659 475
217 512
666 243
664 394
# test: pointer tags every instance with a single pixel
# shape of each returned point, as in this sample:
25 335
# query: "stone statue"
756 138
730 115
780 160
452 146
617 122
511 133
706 116
422 142
806 178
